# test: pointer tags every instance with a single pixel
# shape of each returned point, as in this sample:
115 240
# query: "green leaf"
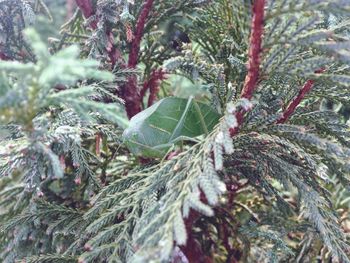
152 131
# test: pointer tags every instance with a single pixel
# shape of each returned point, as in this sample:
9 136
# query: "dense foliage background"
239 150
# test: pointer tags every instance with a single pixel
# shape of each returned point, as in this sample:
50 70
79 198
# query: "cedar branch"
130 92
252 77
296 101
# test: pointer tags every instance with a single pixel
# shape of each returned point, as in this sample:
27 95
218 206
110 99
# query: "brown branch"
296 101
87 9
113 52
257 26
192 249
130 92
138 34
251 80
98 138
152 84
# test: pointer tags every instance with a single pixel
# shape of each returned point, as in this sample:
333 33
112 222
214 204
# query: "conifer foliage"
264 180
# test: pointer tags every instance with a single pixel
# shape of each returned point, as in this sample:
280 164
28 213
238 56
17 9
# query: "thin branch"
87 9
138 34
152 84
252 77
257 26
113 52
254 215
192 249
297 100
130 92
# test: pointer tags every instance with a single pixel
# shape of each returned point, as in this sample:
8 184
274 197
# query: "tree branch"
257 26
87 9
138 34
296 101
152 84
252 77
130 92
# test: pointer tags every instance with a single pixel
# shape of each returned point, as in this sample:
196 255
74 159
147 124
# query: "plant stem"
296 101
130 92
138 34
252 77
152 84
87 9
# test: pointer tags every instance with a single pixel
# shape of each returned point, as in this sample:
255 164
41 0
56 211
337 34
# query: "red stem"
252 77
113 52
138 34
152 84
130 92
87 9
98 139
296 101
192 249
257 26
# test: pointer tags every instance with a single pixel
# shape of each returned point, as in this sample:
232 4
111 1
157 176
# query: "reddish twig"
87 9
113 52
257 26
98 138
130 92
192 249
296 101
152 84
138 34
251 80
